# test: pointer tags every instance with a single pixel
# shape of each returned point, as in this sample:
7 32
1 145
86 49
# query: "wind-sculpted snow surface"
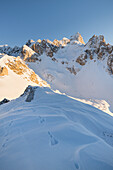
54 132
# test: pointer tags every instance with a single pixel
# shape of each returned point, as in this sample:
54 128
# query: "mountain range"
80 70
56 105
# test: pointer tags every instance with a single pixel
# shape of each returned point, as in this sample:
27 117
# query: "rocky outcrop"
33 78
77 37
4 101
20 68
82 59
97 47
17 66
27 54
110 63
29 93
72 70
3 71
96 42
45 46
32 51
30 42
56 43
10 51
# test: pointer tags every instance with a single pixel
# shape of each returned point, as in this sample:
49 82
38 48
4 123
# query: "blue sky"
21 20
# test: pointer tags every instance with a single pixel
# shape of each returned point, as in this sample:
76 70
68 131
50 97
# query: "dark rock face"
11 51
33 58
45 46
82 59
4 101
29 43
28 54
29 93
72 70
97 46
96 41
110 63
3 71
33 51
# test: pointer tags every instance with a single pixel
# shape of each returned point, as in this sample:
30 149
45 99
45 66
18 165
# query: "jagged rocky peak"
15 51
48 41
28 54
77 37
5 48
46 46
96 41
97 45
30 42
96 48
39 41
56 42
61 43
65 41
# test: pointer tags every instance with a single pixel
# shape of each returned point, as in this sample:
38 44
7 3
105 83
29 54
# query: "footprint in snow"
76 166
5 143
10 123
6 135
42 120
53 140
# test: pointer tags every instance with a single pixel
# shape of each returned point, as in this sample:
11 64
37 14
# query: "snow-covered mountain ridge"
80 70
96 46
15 76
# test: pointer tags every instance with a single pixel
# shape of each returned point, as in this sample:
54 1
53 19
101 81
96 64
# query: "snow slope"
92 81
54 132
13 84
80 70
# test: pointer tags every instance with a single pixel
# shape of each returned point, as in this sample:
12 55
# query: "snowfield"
91 83
44 130
81 71
13 84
